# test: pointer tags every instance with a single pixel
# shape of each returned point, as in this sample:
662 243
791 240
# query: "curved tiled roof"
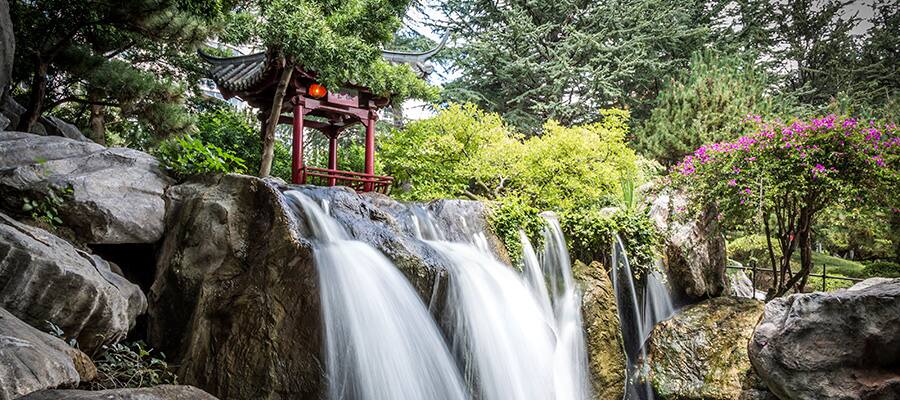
237 73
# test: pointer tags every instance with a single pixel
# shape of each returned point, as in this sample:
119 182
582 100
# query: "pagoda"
253 78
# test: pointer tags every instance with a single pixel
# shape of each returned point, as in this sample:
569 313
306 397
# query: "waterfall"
520 336
380 341
637 318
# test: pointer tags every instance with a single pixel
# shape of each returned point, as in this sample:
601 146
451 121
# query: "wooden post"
332 154
753 271
370 151
298 175
824 285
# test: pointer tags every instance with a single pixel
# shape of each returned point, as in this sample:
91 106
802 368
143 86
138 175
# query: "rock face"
701 353
164 392
31 360
834 345
236 293
57 127
7 46
116 193
694 253
43 278
606 357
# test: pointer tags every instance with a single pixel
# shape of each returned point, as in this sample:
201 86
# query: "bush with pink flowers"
780 175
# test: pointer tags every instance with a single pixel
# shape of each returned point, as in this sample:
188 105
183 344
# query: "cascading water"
517 337
381 342
637 318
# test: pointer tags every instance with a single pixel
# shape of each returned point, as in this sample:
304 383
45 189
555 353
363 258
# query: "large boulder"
701 353
236 296
110 195
57 127
830 346
7 46
694 247
31 360
45 279
606 357
163 392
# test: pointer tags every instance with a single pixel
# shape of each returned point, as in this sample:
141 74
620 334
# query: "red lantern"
317 91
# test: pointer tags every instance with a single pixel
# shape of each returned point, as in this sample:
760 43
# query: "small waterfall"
519 336
637 318
381 342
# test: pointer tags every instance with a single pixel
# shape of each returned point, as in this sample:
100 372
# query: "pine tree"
536 60
706 105
109 53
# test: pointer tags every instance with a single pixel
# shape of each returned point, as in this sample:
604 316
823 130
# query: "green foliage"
340 41
884 269
236 132
46 208
112 54
591 231
831 284
573 171
185 156
131 365
563 60
705 105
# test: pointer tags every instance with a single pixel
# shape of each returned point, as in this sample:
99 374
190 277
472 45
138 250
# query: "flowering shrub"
781 175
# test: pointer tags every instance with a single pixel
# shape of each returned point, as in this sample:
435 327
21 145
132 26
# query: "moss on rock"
606 358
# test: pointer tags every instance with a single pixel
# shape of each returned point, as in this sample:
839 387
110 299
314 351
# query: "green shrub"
815 282
590 233
131 365
46 208
511 214
883 269
186 156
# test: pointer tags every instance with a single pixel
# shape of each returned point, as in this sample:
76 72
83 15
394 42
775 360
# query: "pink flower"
732 182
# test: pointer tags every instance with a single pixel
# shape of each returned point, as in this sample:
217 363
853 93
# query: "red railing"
358 181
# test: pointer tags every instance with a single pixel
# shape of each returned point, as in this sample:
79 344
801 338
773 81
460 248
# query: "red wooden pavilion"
254 78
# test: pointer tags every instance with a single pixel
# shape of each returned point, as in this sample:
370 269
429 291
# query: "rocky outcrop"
44 278
11 110
694 247
606 358
31 360
236 294
7 46
835 345
164 392
57 127
110 195
701 353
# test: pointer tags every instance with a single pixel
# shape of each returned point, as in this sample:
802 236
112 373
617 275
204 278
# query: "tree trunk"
36 99
98 123
805 247
268 150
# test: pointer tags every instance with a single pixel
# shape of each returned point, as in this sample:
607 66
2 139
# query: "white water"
381 342
519 338
637 318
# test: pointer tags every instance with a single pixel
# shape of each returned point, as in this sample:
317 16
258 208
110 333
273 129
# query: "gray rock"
829 346
43 278
57 127
31 360
701 353
694 248
4 122
236 295
7 46
11 109
116 193
163 392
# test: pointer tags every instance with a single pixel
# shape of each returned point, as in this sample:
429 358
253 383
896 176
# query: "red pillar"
298 175
370 151
332 154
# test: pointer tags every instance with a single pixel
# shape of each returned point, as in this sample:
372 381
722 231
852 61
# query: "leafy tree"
107 53
705 105
783 175
565 60
339 41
